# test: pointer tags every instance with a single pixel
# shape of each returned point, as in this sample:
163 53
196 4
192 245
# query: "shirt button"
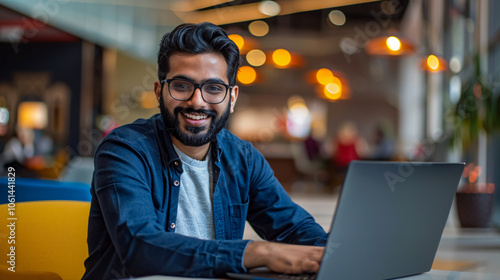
176 163
176 183
172 225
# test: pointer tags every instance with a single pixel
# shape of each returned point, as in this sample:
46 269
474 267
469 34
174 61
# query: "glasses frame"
196 86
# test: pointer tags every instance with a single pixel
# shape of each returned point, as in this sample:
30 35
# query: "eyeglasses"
182 90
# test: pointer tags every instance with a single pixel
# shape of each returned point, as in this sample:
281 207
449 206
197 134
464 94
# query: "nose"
196 101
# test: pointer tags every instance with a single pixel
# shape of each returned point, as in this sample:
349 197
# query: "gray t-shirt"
195 210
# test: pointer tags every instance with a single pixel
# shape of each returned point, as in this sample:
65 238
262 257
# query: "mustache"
209 113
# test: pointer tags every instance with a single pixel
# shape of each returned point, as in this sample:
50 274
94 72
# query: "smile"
195 116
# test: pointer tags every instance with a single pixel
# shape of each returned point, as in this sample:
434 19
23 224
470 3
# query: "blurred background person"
346 147
19 152
383 142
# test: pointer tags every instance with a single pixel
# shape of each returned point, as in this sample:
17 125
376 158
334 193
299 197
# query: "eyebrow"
211 80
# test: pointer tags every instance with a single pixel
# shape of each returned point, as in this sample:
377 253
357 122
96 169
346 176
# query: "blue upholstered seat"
27 189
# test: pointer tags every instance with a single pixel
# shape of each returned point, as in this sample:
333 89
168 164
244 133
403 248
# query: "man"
171 194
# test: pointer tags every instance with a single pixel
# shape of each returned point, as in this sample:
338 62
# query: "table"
431 275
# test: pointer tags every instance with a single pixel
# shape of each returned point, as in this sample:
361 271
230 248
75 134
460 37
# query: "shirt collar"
164 142
216 149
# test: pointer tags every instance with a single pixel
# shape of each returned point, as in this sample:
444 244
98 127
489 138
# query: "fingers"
313 261
310 266
296 258
283 258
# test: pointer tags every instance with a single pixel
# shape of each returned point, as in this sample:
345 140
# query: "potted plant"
475 119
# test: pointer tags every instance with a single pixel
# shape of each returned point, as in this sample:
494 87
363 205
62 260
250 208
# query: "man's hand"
283 258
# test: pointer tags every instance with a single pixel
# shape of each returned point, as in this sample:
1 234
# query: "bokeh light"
393 43
148 100
4 115
455 89
337 17
433 62
237 39
455 65
246 75
282 57
269 8
298 122
256 57
333 90
32 114
324 76
294 100
258 28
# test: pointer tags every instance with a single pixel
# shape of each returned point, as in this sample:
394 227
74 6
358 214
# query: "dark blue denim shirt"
135 192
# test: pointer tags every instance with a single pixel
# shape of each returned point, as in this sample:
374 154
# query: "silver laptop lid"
389 219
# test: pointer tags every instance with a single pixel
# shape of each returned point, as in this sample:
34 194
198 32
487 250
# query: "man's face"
194 122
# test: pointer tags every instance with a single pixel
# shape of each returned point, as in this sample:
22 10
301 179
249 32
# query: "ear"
234 97
158 90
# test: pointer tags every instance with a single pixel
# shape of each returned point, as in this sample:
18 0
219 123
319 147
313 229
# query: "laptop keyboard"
305 276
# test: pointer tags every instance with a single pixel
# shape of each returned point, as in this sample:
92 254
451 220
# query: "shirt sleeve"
144 247
272 213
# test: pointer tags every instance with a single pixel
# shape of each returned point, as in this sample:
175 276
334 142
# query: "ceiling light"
238 40
393 43
332 86
251 11
269 8
32 114
324 76
258 28
333 90
282 57
434 63
389 45
337 17
246 75
256 57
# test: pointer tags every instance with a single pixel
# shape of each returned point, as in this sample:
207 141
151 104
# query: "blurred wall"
61 62
131 79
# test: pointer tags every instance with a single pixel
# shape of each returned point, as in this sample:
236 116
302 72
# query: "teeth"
195 117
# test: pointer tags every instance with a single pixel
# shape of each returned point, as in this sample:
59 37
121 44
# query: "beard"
194 135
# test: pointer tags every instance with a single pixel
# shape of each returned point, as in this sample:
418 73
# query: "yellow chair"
27 274
50 239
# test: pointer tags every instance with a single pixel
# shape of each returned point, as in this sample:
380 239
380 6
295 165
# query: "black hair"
195 39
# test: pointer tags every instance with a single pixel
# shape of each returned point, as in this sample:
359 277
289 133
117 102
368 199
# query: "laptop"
388 222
